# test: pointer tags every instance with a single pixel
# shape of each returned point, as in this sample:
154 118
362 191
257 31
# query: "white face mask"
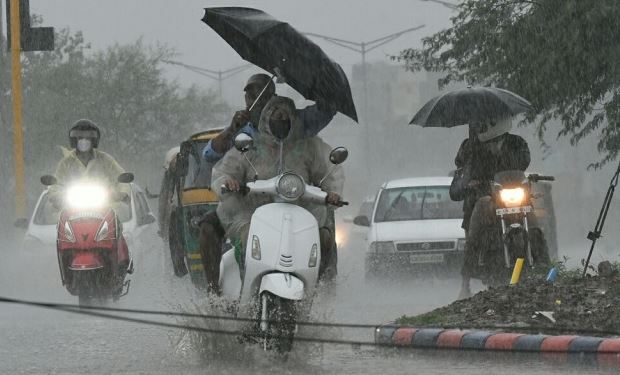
84 145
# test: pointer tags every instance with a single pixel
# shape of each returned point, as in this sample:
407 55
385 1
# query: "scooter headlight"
69 233
102 233
84 196
291 186
256 248
512 197
314 256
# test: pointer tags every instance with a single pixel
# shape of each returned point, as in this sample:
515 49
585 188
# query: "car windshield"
199 170
47 214
417 203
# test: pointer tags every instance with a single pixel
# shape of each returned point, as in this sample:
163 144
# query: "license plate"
513 210
425 258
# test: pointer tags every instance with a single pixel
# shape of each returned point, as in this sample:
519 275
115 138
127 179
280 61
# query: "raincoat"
307 157
102 168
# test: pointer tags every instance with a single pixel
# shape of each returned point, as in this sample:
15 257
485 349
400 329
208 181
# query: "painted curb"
606 350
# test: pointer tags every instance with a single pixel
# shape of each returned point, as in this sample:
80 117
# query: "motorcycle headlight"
291 186
382 247
69 233
314 255
512 197
84 196
256 248
102 233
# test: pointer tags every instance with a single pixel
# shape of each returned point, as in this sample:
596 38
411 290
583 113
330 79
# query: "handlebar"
537 177
245 190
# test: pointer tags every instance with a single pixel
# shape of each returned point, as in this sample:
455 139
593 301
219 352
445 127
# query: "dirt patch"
570 305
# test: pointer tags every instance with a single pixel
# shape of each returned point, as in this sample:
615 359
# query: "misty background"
383 146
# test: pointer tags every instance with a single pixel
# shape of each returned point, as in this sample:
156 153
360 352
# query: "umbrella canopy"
275 45
469 105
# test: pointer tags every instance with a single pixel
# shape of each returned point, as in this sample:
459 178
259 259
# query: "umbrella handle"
261 94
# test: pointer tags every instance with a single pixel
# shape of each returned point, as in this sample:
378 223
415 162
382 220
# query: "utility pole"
22 37
218 75
16 91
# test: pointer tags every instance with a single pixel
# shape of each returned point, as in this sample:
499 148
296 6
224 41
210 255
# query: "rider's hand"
333 198
239 120
232 185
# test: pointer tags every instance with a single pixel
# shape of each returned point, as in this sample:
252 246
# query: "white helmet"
170 155
495 128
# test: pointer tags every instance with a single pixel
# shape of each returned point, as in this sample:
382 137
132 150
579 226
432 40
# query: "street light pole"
444 3
218 75
363 48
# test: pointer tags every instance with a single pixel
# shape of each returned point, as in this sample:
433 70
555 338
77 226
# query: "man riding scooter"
258 91
489 149
279 147
86 162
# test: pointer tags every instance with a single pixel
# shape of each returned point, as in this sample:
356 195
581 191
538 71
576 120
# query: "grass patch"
426 319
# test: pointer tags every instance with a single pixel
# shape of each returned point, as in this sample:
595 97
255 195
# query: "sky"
177 23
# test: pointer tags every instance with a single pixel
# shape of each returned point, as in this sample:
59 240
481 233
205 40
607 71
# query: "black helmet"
84 129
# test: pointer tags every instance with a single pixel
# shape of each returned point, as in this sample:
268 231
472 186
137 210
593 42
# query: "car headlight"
291 186
84 196
314 255
512 197
102 233
382 247
460 244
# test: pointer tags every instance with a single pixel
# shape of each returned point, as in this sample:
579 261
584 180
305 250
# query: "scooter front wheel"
282 318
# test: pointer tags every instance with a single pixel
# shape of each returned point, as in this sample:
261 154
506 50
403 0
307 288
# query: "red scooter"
92 253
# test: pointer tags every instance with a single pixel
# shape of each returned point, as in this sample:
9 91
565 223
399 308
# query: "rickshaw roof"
206 135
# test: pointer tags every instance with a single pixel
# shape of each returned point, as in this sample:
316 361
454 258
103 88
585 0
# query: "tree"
122 88
562 55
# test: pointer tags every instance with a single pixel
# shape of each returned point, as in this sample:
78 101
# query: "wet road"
40 341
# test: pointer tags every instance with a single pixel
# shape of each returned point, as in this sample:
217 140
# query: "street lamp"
444 3
363 48
218 75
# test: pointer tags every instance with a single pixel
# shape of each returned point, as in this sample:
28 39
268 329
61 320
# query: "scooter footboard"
283 285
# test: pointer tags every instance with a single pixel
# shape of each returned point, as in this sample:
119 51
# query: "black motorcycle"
517 233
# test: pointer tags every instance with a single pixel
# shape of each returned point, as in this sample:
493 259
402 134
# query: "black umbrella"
275 45
469 105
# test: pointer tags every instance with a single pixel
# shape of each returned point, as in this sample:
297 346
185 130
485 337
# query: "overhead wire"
96 311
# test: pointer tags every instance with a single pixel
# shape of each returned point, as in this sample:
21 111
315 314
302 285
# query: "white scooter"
282 255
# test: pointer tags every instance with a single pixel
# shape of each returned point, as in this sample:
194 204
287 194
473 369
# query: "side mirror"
21 223
125 178
149 219
48 180
243 142
338 155
362 221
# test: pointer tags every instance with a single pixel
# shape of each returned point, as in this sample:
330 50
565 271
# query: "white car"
41 228
414 226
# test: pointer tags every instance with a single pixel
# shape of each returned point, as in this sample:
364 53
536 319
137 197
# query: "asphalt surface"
42 341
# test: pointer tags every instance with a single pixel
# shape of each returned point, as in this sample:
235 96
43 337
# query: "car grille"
286 261
426 246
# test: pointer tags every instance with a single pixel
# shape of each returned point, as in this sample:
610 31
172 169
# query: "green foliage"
560 54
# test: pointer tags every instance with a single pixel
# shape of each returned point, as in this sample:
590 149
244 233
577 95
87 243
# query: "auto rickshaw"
193 199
